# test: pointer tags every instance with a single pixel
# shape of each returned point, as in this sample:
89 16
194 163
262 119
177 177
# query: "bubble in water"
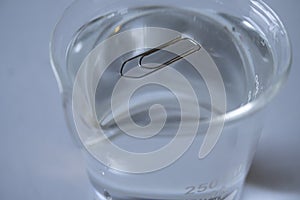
263 43
107 195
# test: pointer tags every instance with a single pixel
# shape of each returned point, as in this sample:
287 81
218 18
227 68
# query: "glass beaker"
244 40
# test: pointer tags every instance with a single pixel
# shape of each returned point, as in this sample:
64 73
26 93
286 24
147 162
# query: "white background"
38 159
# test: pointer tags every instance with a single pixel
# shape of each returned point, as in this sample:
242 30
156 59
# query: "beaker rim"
283 65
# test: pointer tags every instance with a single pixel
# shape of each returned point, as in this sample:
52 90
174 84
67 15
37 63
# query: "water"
232 43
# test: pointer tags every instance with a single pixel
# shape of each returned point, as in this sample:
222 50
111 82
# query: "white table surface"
37 157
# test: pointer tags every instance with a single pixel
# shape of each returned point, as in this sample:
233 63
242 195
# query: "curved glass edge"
231 116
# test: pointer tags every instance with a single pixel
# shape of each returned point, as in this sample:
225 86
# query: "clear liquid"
232 43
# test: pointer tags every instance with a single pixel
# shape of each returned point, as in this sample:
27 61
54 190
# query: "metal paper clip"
157 58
